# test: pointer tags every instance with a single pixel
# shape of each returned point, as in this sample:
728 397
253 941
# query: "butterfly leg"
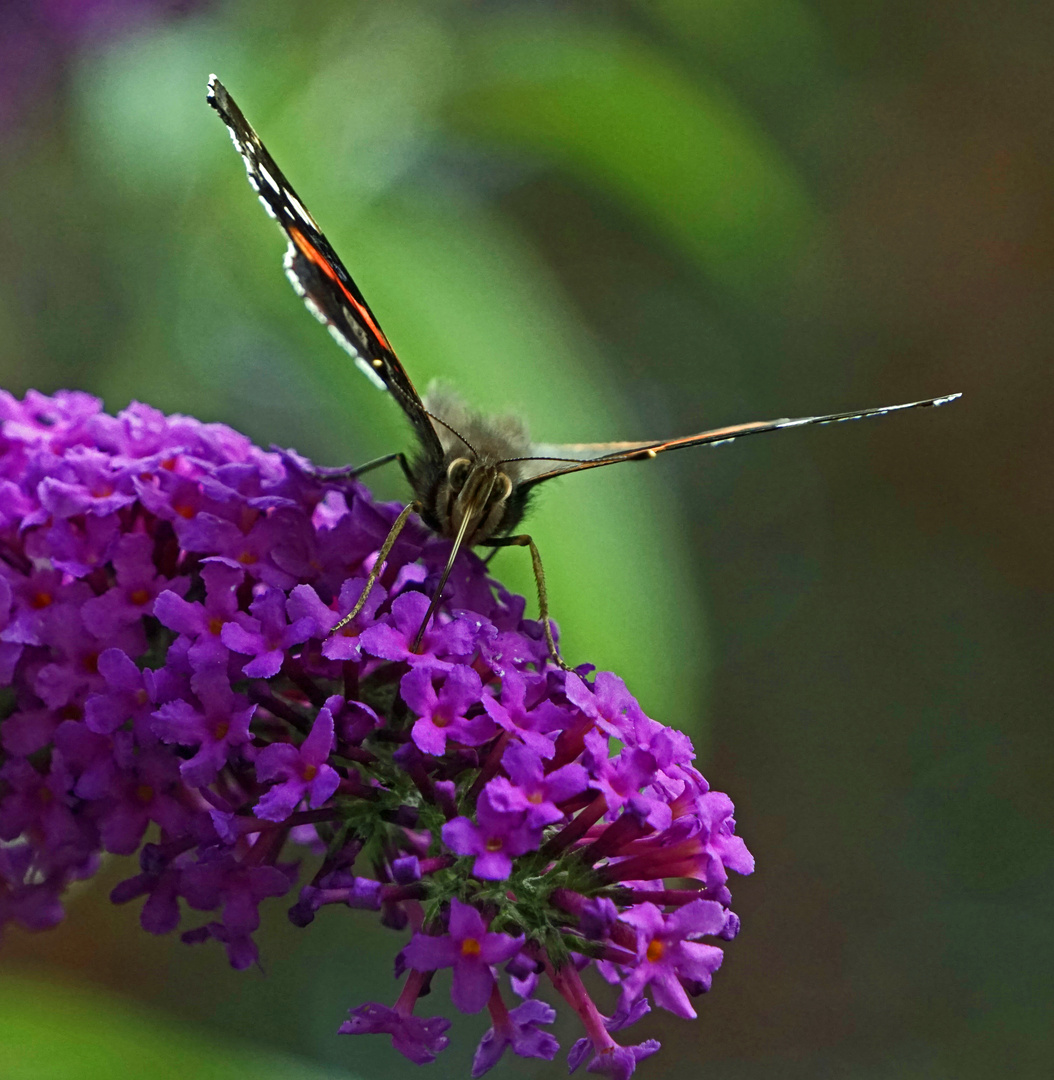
377 462
349 472
378 566
523 540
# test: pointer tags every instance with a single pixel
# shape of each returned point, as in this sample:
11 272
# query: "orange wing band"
312 254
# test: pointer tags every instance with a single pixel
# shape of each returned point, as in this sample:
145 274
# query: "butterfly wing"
318 275
549 460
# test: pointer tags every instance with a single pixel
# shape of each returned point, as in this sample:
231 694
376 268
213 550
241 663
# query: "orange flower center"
470 947
655 950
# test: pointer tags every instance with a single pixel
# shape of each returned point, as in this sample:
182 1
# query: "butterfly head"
472 499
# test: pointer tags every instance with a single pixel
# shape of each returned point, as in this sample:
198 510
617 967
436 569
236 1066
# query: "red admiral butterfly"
472 475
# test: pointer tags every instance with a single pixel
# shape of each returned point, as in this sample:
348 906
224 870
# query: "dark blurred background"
627 220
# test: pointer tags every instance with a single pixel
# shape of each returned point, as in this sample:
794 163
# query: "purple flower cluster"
170 685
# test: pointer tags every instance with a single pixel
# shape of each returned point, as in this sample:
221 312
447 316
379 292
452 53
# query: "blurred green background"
627 219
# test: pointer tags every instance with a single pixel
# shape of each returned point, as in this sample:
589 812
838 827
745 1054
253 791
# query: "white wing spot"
270 179
343 342
296 204
313 308
295 282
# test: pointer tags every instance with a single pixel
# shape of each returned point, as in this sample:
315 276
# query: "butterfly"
472 476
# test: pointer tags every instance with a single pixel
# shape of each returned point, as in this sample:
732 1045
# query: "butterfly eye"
457 472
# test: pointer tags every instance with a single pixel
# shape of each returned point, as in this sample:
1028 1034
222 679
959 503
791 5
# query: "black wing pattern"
549 460
318 275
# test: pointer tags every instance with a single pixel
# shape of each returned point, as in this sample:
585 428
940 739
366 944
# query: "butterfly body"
472 476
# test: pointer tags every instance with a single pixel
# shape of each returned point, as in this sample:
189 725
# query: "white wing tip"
947 398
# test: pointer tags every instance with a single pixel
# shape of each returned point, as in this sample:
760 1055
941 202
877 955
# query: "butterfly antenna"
453 431
539 457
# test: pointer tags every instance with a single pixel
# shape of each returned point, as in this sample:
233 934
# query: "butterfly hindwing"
317 273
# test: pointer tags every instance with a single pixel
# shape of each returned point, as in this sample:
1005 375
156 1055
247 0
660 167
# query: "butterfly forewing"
549 460
317 273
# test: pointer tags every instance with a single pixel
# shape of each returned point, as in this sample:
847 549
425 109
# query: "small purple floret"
469 949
